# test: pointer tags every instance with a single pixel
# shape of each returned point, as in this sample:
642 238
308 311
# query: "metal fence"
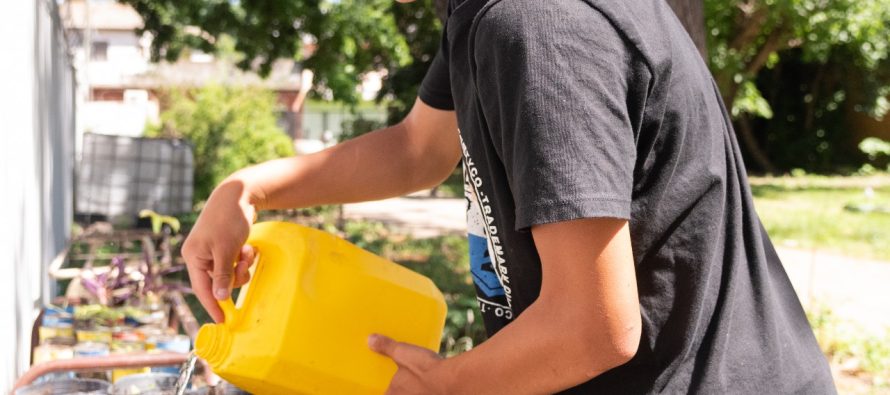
37 103
317 122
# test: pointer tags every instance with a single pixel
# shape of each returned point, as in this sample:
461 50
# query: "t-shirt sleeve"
552 80
435 90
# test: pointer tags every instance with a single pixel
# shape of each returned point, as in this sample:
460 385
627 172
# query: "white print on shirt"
487 262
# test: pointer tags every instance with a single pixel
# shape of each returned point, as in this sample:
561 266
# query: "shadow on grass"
774 190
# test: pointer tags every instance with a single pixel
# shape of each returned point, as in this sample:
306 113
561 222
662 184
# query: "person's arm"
417 153
585 322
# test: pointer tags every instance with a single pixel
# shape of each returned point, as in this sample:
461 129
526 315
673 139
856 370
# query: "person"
613 241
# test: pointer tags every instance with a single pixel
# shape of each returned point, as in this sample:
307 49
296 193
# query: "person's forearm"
542 352
384 163
585 321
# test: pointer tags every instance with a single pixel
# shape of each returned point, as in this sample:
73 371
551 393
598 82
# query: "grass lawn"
809 212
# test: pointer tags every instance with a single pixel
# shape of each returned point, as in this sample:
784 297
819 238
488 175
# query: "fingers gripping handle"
269 247
230 311
228 307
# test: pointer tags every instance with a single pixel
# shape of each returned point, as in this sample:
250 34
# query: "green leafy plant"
876 150
750 101
229 127
158 221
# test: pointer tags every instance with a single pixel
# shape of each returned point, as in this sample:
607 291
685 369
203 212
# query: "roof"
102 15
111 15
285 76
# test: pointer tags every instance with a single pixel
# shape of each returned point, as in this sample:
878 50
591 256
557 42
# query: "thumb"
223 266
383 345
403 354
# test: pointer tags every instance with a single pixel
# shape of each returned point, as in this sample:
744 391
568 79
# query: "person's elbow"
615 347
625 345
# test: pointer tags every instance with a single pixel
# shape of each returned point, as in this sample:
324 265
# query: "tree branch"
752 22
749 141
774 42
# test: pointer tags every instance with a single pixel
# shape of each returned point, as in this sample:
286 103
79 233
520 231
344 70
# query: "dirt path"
856 290
418 216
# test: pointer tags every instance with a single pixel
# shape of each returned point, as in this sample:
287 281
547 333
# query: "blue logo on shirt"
480 265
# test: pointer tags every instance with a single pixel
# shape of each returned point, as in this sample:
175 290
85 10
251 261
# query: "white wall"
36 159
127 56
126 118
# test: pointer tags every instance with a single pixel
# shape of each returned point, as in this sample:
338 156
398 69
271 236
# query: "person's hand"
419 369
216 242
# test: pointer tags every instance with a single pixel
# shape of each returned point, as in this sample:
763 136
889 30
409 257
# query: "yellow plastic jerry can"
301 324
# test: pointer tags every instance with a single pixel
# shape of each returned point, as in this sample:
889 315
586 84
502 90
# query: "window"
99 51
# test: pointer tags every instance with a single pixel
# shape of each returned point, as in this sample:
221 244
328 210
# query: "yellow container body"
302 323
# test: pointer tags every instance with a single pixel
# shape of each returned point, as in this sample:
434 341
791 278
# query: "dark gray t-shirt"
571 109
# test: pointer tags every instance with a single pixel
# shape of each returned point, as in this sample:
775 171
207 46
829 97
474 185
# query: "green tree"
749 36
420 25
338 39
228 127
844 43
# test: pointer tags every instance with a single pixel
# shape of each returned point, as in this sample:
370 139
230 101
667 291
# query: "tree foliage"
798 63
842 44
228 127
750 35
419 23
338 39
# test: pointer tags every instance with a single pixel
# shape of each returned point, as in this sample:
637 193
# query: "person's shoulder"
523 13
635 31
536 20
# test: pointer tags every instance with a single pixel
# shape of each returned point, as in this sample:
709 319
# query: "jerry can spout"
213 343
214 340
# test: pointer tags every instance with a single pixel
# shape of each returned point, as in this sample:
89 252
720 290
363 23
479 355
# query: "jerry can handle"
259 240
229 311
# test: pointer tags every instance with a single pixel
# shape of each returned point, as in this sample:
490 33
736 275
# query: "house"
106 52
119 86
